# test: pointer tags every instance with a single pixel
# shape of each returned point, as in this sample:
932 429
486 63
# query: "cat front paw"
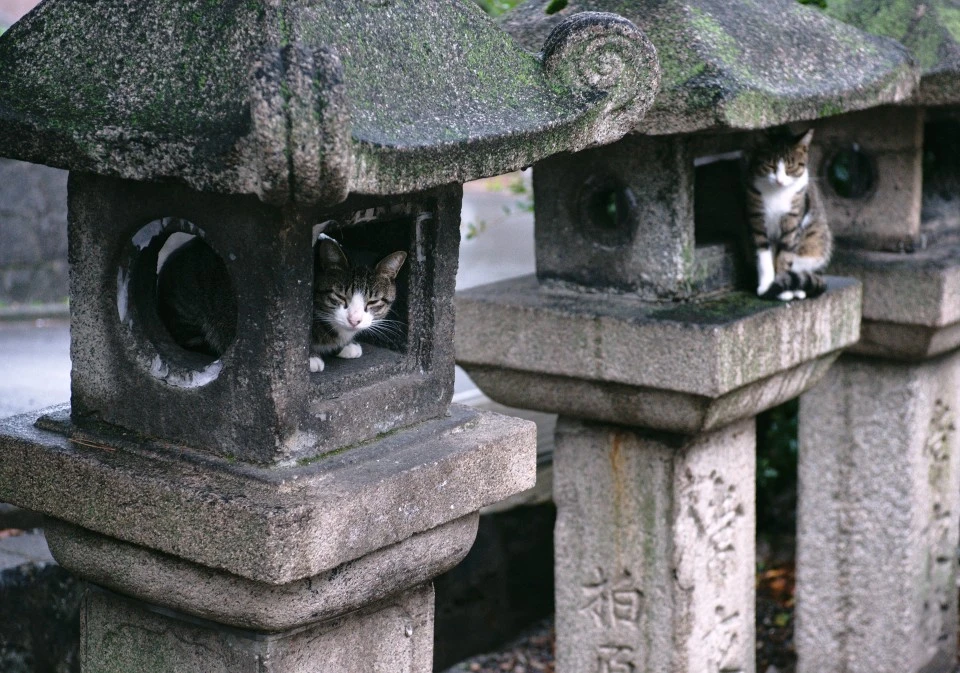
764 287
350 351
786 295
316 363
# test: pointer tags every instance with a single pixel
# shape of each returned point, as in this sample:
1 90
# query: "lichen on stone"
744 64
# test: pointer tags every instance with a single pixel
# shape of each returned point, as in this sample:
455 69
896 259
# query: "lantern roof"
929 28
744 64
304 101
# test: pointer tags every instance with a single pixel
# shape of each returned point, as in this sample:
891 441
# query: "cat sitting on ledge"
788 221
348 300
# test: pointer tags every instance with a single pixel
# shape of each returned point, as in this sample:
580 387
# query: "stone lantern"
234 510
643 332
891 180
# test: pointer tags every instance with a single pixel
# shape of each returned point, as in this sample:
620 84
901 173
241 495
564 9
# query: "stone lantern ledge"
746 65
678 367
304 102
911 302
273 526
929 28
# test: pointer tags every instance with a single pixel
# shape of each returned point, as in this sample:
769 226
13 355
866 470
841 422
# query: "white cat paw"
350 351
786 296
762 288
799 294
316 363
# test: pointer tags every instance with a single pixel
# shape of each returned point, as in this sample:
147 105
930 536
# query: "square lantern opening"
386 342
720 226
940 209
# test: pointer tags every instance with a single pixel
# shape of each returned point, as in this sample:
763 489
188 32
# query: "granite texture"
929 28
304 101
646 407
707 348
891 140
258 401
124 636
235 601
911 302
268 525
877 531
744 65
655 539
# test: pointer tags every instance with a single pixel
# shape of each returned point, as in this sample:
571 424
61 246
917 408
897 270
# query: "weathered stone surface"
39 617
124 636
655 540
307 101
890 138
879 484
707 348
646 245
911 302
235 601
269 525
33 233
642 406
258 401
931 30
719 69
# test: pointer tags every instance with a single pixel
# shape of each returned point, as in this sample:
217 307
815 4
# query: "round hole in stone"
177 299
606 208
851 173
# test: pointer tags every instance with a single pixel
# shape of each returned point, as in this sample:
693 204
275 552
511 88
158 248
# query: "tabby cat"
348 300
788 222
196 303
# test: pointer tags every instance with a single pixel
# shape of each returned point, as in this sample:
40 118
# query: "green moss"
922 32
829 109
950 19
723 44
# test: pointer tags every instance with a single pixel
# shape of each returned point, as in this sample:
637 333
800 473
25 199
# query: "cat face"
350 299
783 163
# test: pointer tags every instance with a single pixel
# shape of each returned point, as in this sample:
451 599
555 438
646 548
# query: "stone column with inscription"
643 331
879 468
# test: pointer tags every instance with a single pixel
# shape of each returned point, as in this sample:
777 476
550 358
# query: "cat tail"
809 282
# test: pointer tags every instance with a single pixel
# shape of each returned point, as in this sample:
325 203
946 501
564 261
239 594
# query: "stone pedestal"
878 515
654 486
655 549
217 566
126 636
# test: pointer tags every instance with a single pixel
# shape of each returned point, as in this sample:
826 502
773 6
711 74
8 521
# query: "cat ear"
330 255
390 265
805 138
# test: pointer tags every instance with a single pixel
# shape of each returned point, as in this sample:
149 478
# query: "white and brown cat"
348 300
791 235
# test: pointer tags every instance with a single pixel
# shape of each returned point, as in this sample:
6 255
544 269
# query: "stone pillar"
654 457
655 547
879 480
878 517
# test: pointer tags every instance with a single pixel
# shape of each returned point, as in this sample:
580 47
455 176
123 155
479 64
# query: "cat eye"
374 303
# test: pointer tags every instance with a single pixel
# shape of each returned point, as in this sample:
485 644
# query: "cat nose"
354 320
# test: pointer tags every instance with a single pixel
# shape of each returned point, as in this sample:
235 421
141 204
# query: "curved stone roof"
929 28
307 100
744 64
